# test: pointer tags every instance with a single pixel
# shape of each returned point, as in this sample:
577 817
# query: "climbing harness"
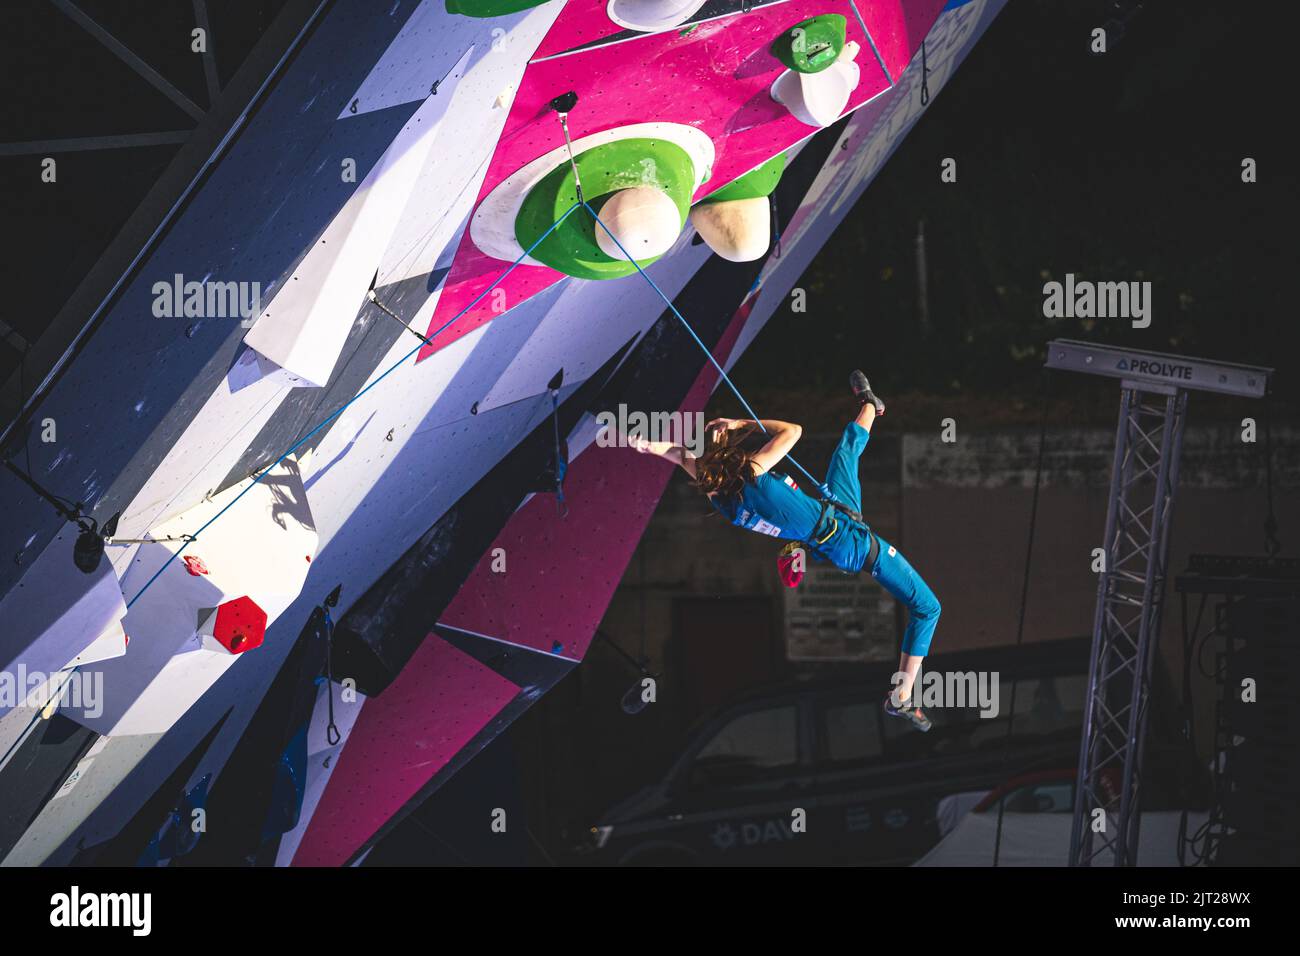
814 542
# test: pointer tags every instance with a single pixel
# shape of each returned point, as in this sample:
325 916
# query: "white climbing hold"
645 221
738 230
650 16
818 99
504 98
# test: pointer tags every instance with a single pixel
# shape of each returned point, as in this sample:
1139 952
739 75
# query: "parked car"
1048 791
816 773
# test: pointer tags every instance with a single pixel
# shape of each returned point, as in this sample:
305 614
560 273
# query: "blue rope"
427 340
825 491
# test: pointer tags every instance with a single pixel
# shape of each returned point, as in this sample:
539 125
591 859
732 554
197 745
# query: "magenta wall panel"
439 701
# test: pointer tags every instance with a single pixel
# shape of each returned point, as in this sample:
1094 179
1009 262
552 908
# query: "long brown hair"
727 464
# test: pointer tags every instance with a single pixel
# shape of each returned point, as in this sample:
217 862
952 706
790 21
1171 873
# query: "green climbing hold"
489 8
605 170
756 183
811 46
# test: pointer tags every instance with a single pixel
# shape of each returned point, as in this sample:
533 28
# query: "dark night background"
1114 167
1119 167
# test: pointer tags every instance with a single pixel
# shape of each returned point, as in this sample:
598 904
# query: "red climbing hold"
240 625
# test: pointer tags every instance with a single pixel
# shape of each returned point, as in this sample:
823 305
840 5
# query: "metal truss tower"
1154 390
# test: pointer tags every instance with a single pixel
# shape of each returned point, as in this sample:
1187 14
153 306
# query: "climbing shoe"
862 391
908 711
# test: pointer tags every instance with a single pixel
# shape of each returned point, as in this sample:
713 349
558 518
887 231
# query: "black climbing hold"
564 102
556 380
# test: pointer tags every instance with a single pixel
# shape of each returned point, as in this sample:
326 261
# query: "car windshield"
749 746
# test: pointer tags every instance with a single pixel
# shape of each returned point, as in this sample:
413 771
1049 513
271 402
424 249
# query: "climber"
735 472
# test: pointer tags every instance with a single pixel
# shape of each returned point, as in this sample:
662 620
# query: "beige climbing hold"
739 230
645 221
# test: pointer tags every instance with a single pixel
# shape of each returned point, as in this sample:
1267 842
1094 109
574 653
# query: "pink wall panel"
438 702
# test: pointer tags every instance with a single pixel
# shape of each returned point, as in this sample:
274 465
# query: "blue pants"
848 549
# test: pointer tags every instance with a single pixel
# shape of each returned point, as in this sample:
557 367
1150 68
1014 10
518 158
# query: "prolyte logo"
75 908
1155 367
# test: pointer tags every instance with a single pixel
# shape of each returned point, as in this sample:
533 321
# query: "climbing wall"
714 77
388 447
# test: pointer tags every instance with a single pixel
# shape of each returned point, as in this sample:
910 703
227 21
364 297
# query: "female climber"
735 472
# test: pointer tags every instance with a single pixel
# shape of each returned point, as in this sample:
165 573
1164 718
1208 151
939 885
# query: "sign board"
833 616
1159 369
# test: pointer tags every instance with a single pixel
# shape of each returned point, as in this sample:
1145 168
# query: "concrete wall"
966 513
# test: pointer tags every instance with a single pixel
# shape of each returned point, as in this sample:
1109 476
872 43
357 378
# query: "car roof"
1039 659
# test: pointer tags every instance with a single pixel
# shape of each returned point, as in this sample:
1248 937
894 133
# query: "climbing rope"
1024 601
425 340
824 489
